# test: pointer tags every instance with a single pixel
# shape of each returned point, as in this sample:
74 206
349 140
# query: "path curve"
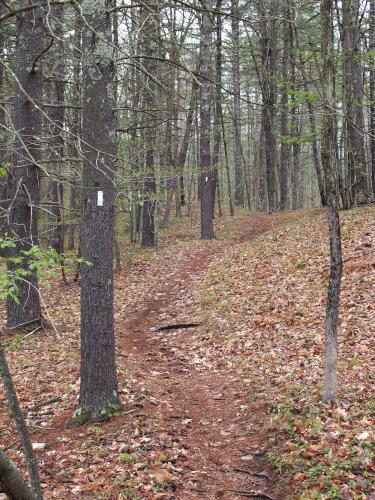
206 408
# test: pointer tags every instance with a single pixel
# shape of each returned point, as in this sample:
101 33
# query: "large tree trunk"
333 301
24 176
207 175
98 392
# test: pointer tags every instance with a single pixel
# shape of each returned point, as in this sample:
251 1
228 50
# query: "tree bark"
150 34
11 481
24 176
98 391
207 174
239 185
333 301
352 74
56 113
267 40
284 125
372 93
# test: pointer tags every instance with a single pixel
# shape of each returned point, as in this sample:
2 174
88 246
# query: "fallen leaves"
268 303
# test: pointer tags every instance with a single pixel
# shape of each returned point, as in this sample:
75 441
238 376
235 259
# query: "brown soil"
206 408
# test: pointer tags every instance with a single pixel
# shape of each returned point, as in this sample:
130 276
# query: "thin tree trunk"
55 91
218 106
207 174
150 36
19 418
3 178
267 40
333 301
239 186
11 481
76 133
372 93
284 126
352 71
231 204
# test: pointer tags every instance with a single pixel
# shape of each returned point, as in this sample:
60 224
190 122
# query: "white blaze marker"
100 199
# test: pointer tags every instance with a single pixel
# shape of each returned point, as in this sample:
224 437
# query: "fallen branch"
177 326
44 403
252 494
256 474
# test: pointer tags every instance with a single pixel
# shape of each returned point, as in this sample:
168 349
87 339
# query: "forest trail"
205 408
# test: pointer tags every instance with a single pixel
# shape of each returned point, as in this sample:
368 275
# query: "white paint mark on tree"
100 199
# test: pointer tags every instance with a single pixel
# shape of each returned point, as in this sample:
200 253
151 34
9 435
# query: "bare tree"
333 301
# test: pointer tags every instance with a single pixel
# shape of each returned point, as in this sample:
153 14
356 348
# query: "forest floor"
226 410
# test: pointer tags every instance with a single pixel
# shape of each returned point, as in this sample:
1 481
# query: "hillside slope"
266 304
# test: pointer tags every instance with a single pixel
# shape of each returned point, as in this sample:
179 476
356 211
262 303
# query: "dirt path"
203 405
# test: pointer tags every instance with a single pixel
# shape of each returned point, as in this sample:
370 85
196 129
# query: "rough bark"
24 176
333 300
207 174
98 391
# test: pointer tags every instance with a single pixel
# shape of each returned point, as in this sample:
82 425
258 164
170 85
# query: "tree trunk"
372 93
267 40
11 481
207 174
98 391
55 94
150 34
24 176
239 185
352 72
76 130
333 301
3 176
284 126
217 100
7 472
